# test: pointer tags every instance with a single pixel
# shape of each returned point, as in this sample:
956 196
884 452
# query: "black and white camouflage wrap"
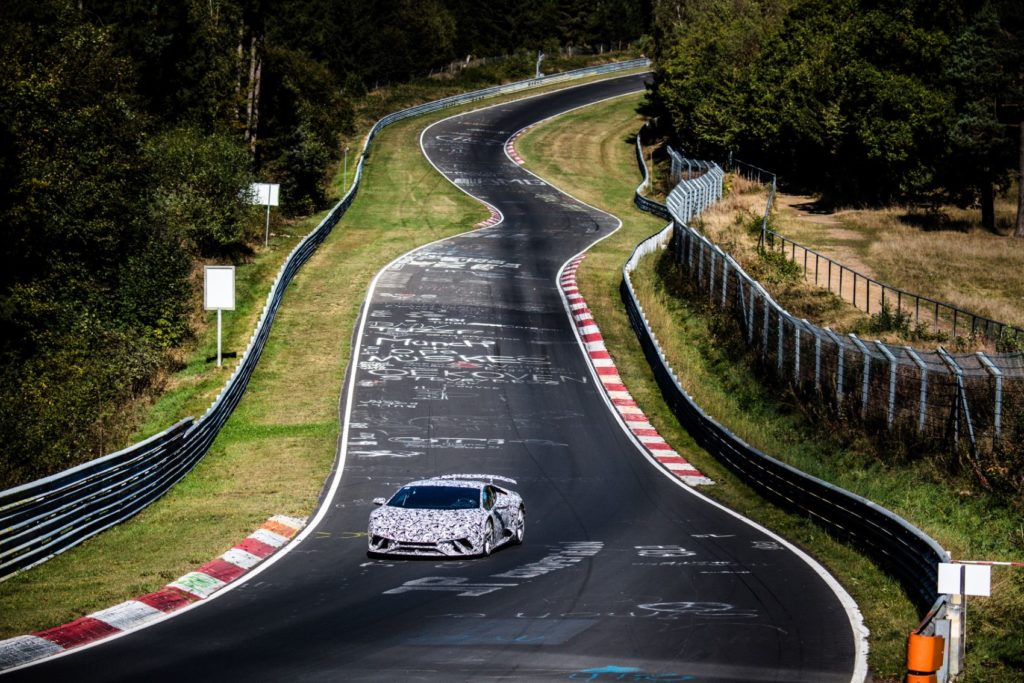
447 533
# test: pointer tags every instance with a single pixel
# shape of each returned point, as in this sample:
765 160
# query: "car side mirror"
379 501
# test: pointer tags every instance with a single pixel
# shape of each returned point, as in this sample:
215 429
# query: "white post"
867 373
219 295
998 376
923 409
266 230
892 382
840 357
817 354
218 336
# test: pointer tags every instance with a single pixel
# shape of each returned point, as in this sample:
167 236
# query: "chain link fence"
970 402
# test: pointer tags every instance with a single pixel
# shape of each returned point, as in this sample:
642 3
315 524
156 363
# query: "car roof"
463 483
464 480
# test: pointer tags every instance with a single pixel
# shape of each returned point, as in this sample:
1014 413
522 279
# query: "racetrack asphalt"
467 362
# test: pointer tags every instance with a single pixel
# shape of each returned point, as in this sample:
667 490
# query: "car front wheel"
520 526
488 539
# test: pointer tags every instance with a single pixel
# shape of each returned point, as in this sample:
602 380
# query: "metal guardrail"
43 518
901 549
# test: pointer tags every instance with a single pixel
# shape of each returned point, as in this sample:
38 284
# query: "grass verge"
277 449
590 154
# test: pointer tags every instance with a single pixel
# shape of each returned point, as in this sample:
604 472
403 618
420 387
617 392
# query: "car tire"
520 526
488 538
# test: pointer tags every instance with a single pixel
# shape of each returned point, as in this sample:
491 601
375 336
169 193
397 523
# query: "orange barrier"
924 657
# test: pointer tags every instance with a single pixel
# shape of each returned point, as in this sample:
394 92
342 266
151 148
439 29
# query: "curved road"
467 362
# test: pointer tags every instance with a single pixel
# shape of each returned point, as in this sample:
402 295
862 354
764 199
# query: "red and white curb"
619 396
510 146
493 219
132 614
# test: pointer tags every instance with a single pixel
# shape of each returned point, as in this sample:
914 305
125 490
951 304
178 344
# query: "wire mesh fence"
902 549
967 401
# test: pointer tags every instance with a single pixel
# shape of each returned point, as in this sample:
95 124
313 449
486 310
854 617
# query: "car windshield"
436 498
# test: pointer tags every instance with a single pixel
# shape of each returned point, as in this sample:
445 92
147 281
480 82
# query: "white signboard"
219 288
264 193
977 579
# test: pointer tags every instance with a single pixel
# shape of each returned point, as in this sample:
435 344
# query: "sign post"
958 580
266 194
219 295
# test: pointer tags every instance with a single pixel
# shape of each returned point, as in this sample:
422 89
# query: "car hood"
423 526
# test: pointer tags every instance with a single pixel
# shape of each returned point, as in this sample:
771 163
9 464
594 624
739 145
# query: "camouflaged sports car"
449 516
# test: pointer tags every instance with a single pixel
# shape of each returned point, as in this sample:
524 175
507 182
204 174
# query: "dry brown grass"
942 254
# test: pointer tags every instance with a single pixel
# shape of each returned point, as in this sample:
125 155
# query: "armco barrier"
43 518
898 547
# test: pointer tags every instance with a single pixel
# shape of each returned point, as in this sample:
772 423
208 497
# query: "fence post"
796 353
700 261
817 354
725 280
892 382
997 374
962 399
840 356
750 324
743 304
867 373
923 401
711 275
782 322
764 325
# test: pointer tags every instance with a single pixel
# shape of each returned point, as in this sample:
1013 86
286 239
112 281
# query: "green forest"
863 101
130 133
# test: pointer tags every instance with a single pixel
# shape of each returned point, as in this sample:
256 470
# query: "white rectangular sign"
219 288
977 579
265 194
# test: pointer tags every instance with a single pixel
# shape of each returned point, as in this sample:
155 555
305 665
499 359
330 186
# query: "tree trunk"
988 207
253 99
1019 230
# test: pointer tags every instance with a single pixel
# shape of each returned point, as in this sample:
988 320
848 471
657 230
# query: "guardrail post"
892 382
997 374
923 401
867 373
